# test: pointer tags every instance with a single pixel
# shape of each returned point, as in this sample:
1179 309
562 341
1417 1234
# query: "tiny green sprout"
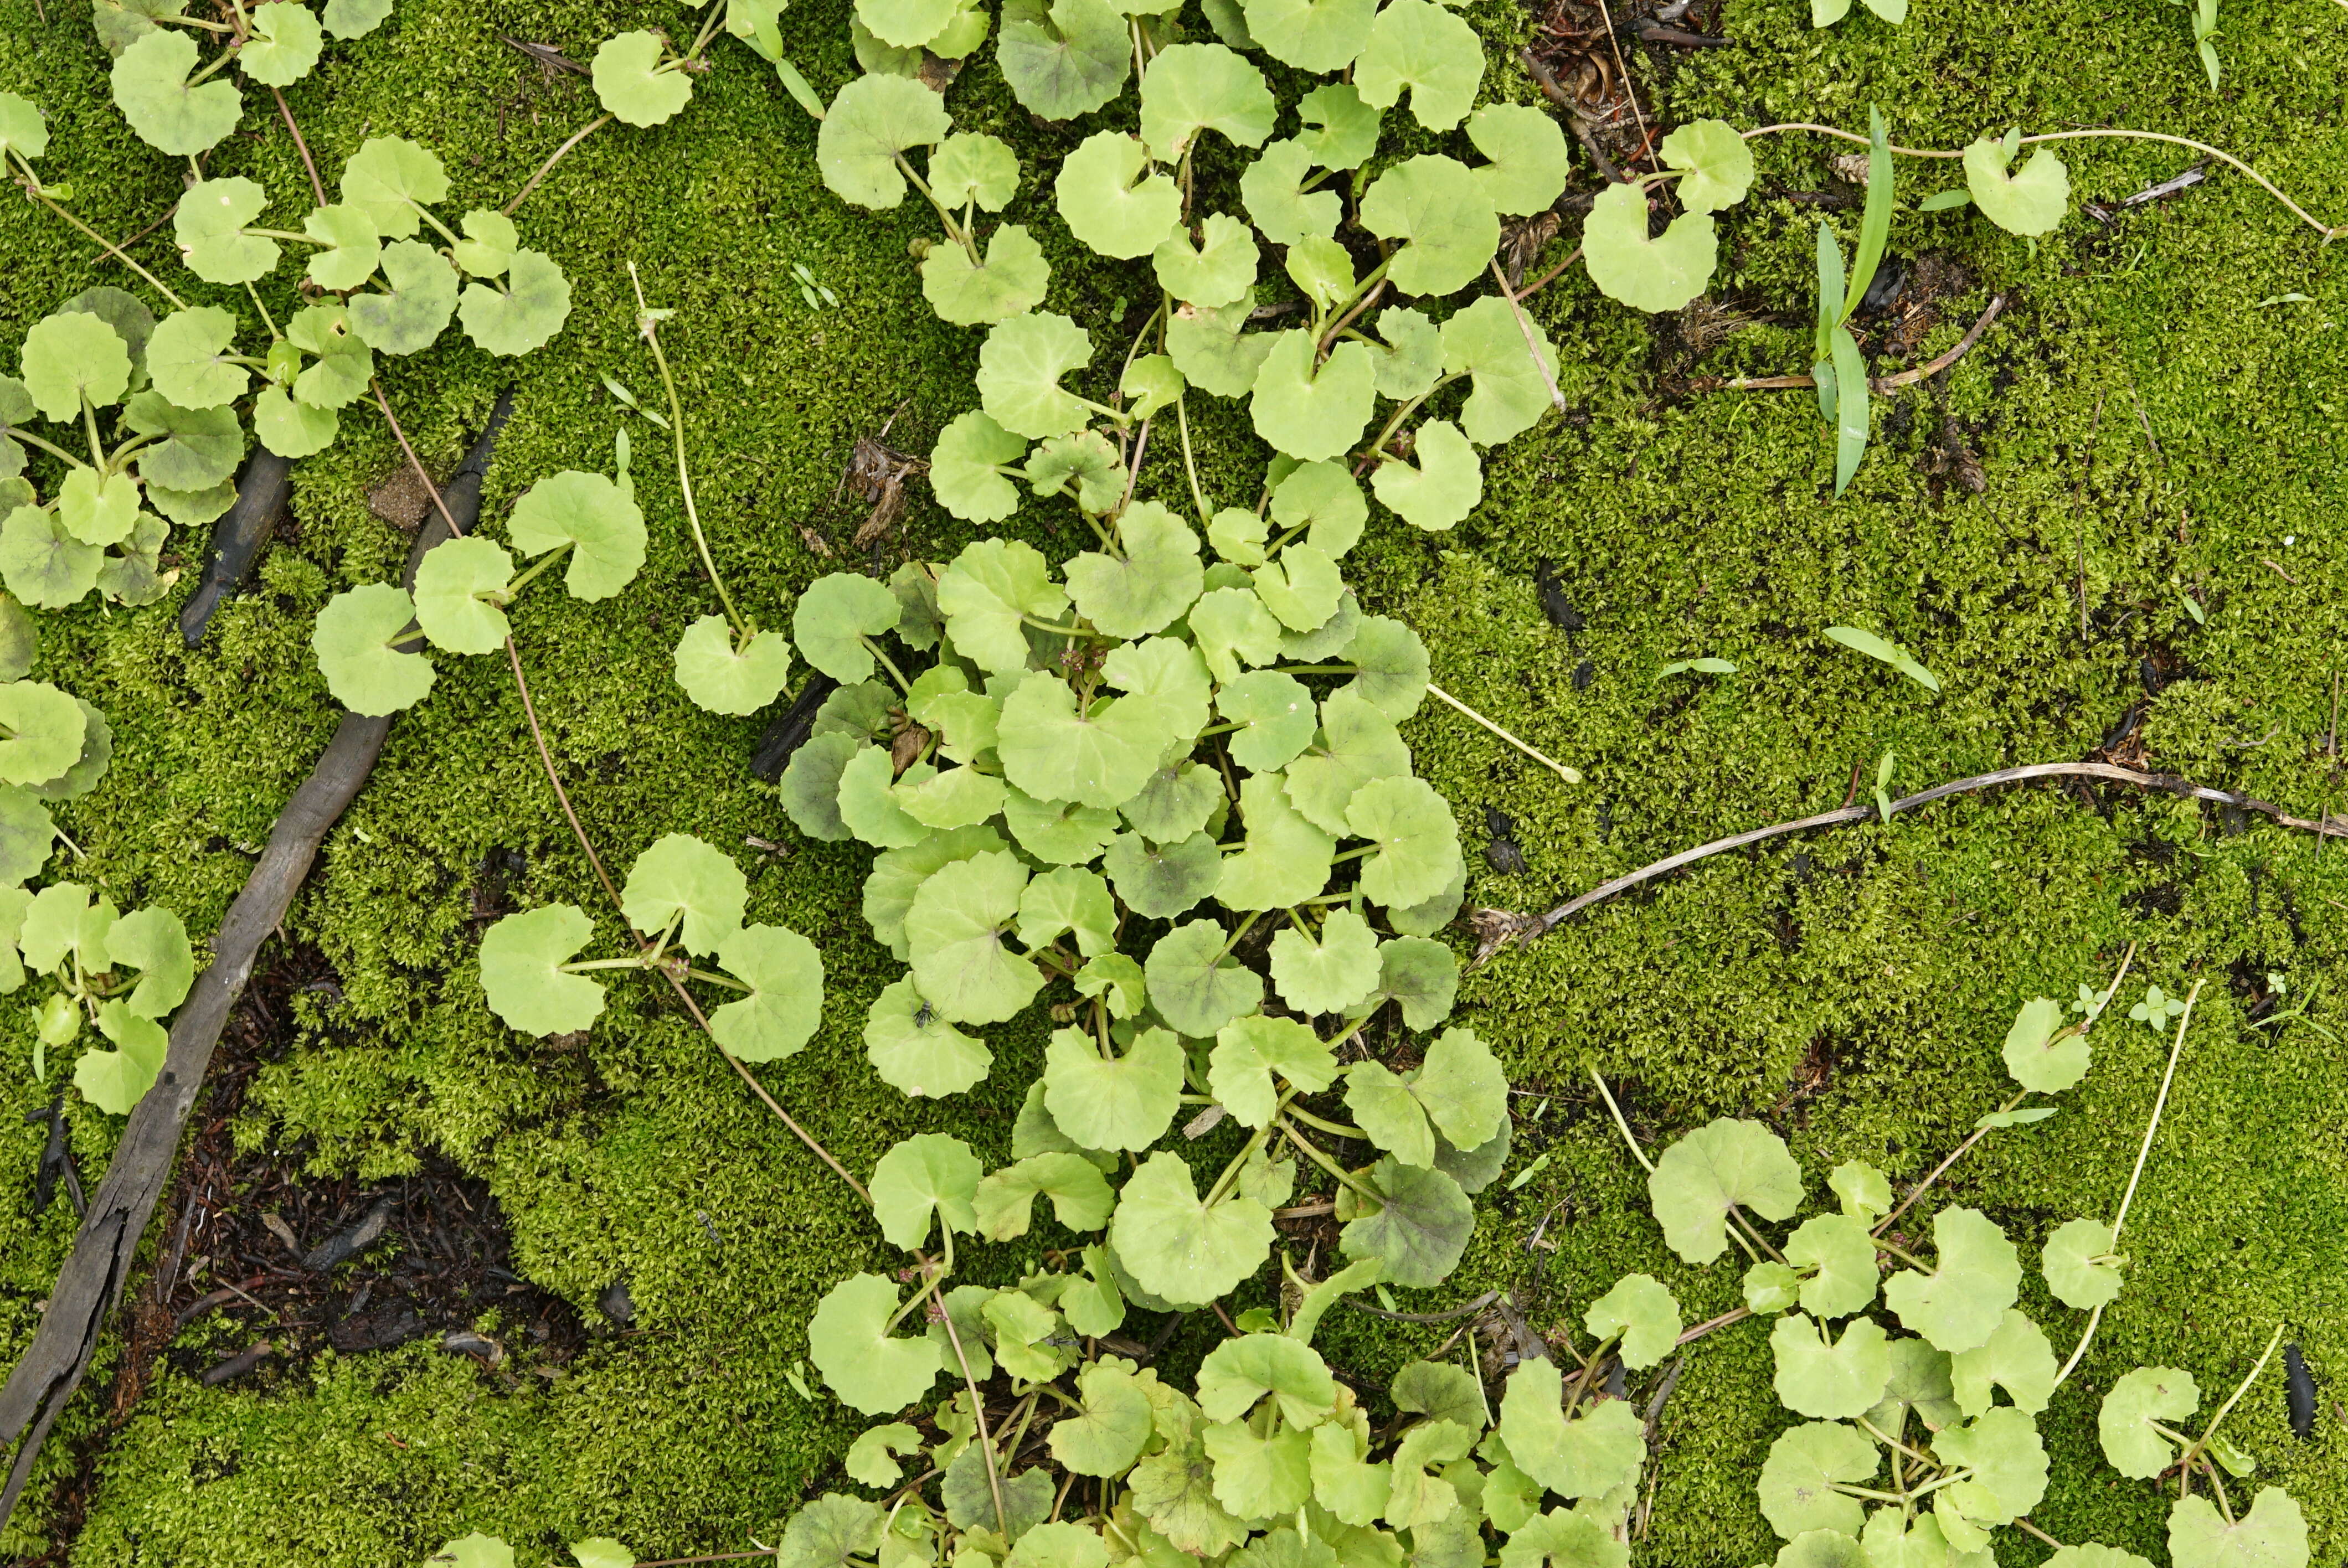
1884 650
1883 786
2156 1008
1707 666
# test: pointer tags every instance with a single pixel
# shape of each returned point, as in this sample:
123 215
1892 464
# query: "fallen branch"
1499 928
1965 346
261 498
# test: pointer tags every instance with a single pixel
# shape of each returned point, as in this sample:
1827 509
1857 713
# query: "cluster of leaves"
641 78
1947 1409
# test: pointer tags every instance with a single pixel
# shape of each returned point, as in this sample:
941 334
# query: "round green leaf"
832 1532
1643 1313
1487 342
2042 1054
1005 1200
1718 164
2008 1459
1842 1254
43 729
1722 1162
1067 62
1323 498
1145 592
1827 1379
1179 1248
1149 383
95 511
786 1001
2148 1396
43 564
387 178
834 616
458 585
1197 986
23 129
1210 351
1319 35
1334 974
1272 187
928 1174
2030 202
285 45
1560 1539
1798 1479
154 942
1162 881
151 89
88 769
2073 1267
1313 413
1111 200
964 468
598 518
1301 587
915 1050
1419 1229
1416 843
1822 1549
971 166
209 224
1112 1424
683 879
1959 1304
872 121
956 927
1010 282
2017 1359
1215 270
725 679
1357 744
26 835
1285 860
354 643
1660 274
1106 1101
1249 1051
291 428
1445 486
906 24
1071 902
344 367
523 315
1084 465
1528 159
898 874
488 249
354 250
1019 371
201 449
1435 204
1419 47
1058 1544
1239 1373
522 971
810 785
849 1343
1192 87
1865 1192
2271 1534
1061 833
408 315
72 355
870 1460
1919 1382
630 80
1597 1452
1053 752
115 1080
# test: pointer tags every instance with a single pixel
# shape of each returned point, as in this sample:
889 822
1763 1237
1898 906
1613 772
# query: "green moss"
1851 989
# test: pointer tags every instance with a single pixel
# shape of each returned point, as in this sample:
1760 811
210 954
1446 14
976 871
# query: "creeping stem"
31 183
649 326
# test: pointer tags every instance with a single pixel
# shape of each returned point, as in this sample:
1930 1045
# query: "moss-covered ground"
2157 414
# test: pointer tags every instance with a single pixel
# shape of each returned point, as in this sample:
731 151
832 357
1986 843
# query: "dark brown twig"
1468 1310
316 185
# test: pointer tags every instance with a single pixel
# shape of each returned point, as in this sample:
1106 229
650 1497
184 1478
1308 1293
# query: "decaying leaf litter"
1416 480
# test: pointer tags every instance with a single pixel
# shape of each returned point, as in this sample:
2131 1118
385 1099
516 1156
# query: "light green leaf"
23 129
525 315
786 1001
1273 188
2008 1461
1019 371
956 926
1162 881
1061 833
1112 1425
115 1080
1718 164
202 448
971 166
95 511
1641 1311
963 468
2148 1396
1176 803
1145 592
1770 1288
2042 1054
906 24
1006 1199
343 368
1886 650
1324 499
681 879
154 942
2094 1555
725 679
1358 744
522 971
289 428
1960 1302
1194 982
1598 1450
1654 275
1436 205
1822 1549
1193 87
167 113
489 246
1798 1479
1010 282
1419 1229
354 248
1840 1252
285 45
1420 48
956 797
410 314
1919 1382
600 1550
1722 1162
1084 465
387 178
2075 1264
1068 62
1334 974
1865 1192
1149 385
915 1050
1311 414
1112 202
1110 1102
635 85
209 224
1215 270
1179 1248
2271 1534
1560 1539
1445 486
43 564
849 1343
1416 841
1239 1372
2017 1359
870 1460
2030 202
1487 341
459 586
1285 860
1391 667
1068 900
873 119
1528 159
1053 752
1301 587
1319 35
598 518
832 619
1249 1051
353 641
926 1175
73 355
1827 1379
1211 352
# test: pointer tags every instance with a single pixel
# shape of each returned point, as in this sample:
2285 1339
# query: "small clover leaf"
1827 1379
1179 1248
597 519
1273 189
2017 1359
1068 901
1422 977
1217 269
1194 87
1804 1466
834 617
1065 62
460 585
72 355
849 1343
965 469
724 677
1444 489
1653 275
1275 718
1313 413
1110 202
1323 498
926 1175
96 754
1435 205
389 178
971 166
2132 1411
2032 200
2157 1008
1106 1101
1721 1164
167 111
915 1050
1717 161
1919 1382
356 641
285 45
522 971
344 366
115 1080
354 246
209 225
873 119
408 315
683 880
634 83
1319 35
522 316
1010 283
1249 1051
785 975
1643 1312
2079 1268
1528 159
1418 46
1019 371
1959 1306
1390 666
